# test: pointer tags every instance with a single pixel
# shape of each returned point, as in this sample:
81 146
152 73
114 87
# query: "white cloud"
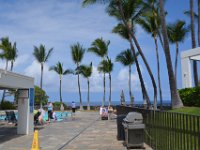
69 82
21 59
122 80
34 70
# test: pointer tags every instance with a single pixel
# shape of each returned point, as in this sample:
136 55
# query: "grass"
172 130
187 110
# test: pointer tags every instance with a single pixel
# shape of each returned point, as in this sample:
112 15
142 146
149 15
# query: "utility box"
120 128
134 130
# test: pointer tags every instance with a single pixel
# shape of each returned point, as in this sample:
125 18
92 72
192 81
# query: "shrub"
56 105
190 96
6 105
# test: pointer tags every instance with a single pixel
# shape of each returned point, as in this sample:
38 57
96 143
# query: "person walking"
73 105
50 111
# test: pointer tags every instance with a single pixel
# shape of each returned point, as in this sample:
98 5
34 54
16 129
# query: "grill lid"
134 117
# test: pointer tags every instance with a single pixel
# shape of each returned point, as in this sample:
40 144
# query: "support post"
186 72
25 111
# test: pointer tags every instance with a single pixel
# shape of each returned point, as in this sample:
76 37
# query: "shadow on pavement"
8 133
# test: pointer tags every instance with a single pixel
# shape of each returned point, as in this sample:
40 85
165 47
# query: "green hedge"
6 105
56 105
190 96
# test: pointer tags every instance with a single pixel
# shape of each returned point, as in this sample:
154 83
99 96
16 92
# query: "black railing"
168 130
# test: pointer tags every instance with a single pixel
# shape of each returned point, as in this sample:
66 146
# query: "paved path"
86 132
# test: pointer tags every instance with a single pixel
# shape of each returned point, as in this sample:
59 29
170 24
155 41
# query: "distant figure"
73 108
122 98
41 117
110 111
50 111
54 116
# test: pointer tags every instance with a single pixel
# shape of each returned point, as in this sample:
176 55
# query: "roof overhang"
10 80
192 54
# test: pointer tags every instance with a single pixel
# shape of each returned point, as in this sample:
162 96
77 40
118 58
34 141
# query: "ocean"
114 103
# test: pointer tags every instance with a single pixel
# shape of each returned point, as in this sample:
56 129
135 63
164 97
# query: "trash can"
104 113
134 130
120 128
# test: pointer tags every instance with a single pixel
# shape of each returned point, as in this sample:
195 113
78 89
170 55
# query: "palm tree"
151 24
128 12
177 33
77 52
126 58
103 68
13 55
58 68
176 100
109 70
199 23
100 48
6 46
122 31
195 74
41 56
9 53
86 71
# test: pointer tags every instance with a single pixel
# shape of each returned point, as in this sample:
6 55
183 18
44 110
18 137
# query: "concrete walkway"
85 132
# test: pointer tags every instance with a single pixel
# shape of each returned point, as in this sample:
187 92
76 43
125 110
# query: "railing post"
199 141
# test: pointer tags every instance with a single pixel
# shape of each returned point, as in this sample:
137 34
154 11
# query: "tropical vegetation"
100 48
37 96
177 33
126 58
41 55
86 72
129 14
77 52
9 53
58 68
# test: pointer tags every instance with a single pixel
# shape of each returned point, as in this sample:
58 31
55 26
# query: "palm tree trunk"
110 90
41 96
199 23
158 70
88 97
6 65
129 83
12 64
79 89
104 89
4 91
160 38
146 99
195 71
60 90
176 101
176 61
148 69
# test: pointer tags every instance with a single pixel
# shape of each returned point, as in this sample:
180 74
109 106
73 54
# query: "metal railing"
168 130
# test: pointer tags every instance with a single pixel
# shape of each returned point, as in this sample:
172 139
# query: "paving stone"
86 132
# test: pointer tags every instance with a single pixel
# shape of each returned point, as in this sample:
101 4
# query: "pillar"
25 111
186 72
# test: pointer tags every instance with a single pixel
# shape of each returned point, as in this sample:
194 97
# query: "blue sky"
59 24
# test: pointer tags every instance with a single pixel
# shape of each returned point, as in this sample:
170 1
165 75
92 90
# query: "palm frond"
77 52
90 2
99 47
86 71
177 31
187 13
121 30
68 71
105 66
48 54
126 57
